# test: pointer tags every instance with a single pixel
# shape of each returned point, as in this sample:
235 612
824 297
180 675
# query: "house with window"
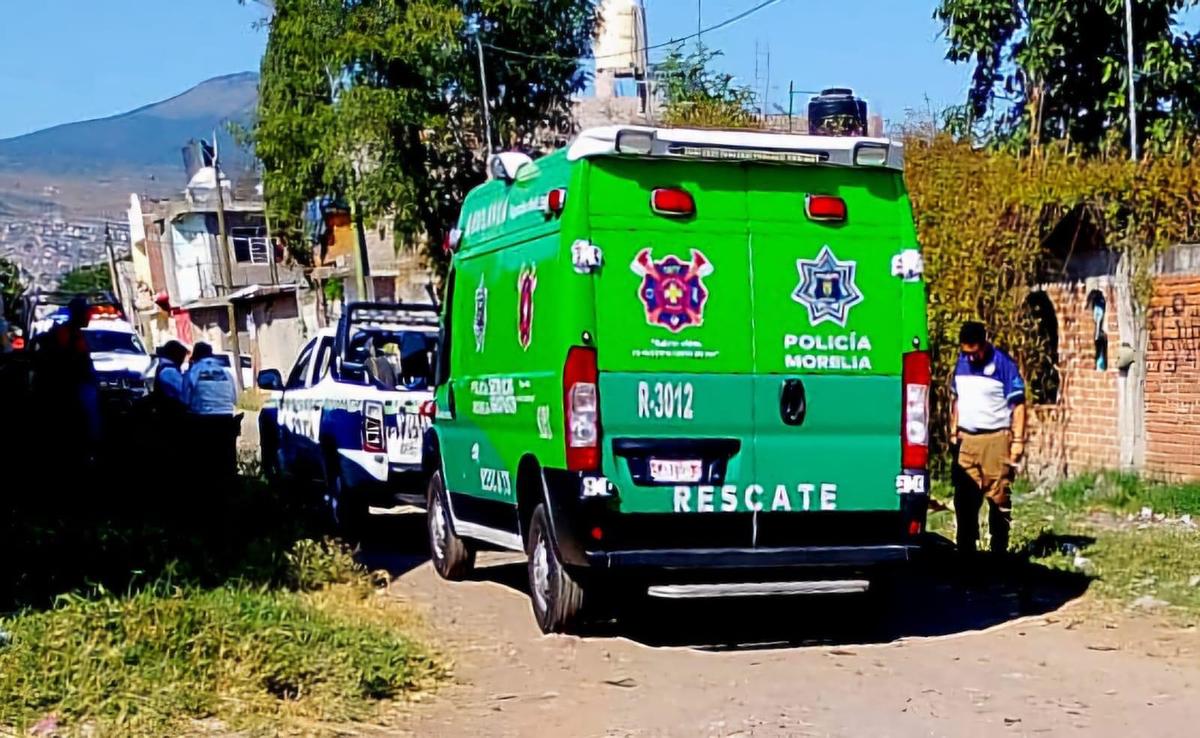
189 283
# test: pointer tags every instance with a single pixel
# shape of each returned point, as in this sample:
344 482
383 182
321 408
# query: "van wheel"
452 557
557 598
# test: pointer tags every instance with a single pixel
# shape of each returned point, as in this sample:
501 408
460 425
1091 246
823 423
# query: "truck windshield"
397 359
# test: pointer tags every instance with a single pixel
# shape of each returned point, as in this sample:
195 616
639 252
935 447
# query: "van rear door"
830 332
674 337
756 336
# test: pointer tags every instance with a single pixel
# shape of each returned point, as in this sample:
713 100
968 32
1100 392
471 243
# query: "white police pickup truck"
353 409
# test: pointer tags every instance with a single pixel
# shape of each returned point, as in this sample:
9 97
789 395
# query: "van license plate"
675 470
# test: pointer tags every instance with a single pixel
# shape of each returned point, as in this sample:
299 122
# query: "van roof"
737 144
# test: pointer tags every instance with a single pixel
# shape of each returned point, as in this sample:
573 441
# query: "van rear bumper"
753 558
592 533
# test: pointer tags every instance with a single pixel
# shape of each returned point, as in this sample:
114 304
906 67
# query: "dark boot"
999 523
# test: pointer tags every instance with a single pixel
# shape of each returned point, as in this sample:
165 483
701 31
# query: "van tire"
453 558
557 598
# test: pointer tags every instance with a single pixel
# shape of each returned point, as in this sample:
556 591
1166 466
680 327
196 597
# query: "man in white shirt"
987 424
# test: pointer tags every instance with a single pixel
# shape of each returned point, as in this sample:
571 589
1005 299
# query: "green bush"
312 565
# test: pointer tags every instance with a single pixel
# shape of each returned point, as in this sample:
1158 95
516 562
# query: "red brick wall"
1173 378
1079 432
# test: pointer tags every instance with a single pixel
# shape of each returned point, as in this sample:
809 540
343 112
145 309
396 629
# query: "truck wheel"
268 447
452 557
557 598
270 463
348 513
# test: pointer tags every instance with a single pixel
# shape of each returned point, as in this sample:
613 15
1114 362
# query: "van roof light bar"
719 145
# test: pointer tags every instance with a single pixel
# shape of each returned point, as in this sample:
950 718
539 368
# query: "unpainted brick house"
1116 390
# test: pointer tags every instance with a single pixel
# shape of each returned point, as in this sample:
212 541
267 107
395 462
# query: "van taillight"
914 418
672 201
825 208
556 200
374 439
581 409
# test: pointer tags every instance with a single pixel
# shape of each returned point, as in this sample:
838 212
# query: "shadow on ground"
934 597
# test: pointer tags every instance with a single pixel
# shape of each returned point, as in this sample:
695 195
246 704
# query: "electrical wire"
673 42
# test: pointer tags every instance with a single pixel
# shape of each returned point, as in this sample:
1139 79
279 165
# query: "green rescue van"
683 363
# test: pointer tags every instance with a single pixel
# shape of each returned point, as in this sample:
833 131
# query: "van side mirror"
270 379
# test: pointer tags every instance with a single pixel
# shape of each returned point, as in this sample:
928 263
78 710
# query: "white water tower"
620 46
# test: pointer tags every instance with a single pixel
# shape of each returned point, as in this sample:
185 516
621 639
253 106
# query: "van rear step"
757 589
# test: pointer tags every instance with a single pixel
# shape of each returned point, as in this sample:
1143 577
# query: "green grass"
254 657
139 616
1083 524
1127 493
146 664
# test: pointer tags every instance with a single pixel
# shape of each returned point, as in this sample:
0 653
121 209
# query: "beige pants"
983 471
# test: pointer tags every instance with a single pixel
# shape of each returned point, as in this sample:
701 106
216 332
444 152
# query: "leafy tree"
378 101
88 278
697 95
11 287
1056 69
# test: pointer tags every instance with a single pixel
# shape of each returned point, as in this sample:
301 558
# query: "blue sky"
888 51
67 60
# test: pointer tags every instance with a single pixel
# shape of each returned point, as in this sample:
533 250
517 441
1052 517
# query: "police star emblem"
827 288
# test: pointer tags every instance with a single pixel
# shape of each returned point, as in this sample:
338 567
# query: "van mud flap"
561 495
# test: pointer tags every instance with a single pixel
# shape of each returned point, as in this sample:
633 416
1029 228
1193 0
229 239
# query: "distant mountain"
142 142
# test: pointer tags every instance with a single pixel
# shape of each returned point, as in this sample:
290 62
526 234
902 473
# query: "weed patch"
147 663
1092 524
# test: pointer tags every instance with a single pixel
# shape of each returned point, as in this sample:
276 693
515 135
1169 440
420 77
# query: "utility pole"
112 265
487 116
1133 128
362 265
791 102
235 344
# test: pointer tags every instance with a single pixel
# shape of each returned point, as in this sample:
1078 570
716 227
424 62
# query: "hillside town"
45 243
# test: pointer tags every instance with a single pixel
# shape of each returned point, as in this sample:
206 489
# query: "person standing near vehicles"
987 425
208 387
168 377
65 381
210 396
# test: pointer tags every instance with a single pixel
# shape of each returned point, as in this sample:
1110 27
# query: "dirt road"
1011 656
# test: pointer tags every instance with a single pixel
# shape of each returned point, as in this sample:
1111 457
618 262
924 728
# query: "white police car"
124 369
352 411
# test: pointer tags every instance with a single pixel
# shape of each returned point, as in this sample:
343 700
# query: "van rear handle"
793 404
